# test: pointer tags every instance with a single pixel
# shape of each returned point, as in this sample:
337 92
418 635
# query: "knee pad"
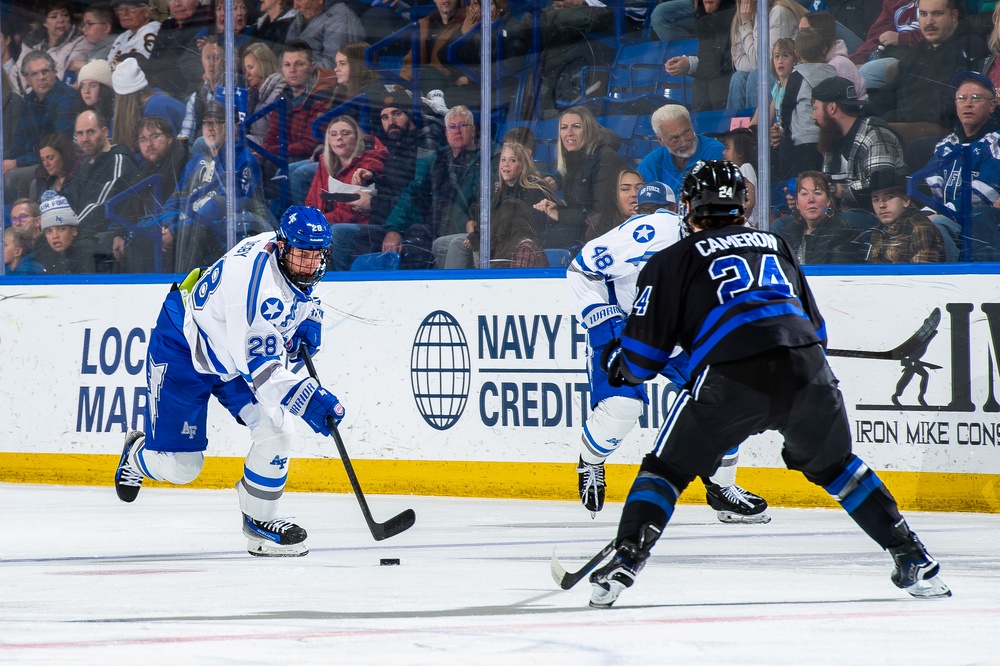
265 469
608 424
179 468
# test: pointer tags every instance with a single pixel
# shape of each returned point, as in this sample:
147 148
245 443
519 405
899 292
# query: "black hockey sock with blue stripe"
867 501
651 499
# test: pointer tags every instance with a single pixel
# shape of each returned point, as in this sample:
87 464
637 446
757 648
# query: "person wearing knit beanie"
128 77
96 70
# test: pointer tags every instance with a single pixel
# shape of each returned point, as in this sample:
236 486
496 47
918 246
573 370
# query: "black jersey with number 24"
722 295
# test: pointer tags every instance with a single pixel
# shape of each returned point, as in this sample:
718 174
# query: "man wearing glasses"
680 147
98 27
27 216
138 31
50 107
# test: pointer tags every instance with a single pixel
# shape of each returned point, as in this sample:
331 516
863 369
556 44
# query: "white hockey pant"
608 424
265 469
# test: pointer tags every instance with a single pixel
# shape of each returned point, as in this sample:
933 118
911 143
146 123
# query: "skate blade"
929 589
259 548
756 519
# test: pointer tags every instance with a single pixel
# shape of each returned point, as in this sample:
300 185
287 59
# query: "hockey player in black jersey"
756 342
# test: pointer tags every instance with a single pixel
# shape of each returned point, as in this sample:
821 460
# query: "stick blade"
923 334
565 579
558 573
395 525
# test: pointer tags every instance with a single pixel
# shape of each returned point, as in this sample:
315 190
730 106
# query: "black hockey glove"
611 363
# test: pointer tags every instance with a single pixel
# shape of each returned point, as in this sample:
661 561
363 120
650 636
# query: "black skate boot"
915 570
128 480
620 572
736 505
591 486
274 538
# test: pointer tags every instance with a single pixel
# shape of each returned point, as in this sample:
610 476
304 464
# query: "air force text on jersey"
710 246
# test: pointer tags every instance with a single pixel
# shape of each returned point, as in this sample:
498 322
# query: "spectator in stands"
818 234
895 28
795 135
50 107
96 90
174 64
27 216
10 107
713 66
99 30
855 148
138 34
308 94
165 157
213 65
106 170
740 148
514 241
351 158
265 83
324 25
354 77
618 206
674 20
10 53
134 99
919 101
65 253
272 25
18 255
58 37
437 29
442 201
903 235
991 65
57 159
195 216
784 18
680 147
834 50
244 15
588 163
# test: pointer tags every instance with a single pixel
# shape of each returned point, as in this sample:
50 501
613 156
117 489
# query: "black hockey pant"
792 391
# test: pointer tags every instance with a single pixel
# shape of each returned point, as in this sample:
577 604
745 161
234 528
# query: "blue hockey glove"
308 335
315 405
600 335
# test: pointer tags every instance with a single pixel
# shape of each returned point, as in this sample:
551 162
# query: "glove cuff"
598 314
297 399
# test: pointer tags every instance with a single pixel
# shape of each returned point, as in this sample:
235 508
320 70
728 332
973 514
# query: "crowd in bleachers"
884 135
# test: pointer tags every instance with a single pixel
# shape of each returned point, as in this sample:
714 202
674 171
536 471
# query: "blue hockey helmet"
304 228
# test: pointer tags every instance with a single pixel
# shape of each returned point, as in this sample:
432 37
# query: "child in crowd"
740 147
18 258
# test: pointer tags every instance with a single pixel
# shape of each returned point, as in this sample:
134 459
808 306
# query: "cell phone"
792 183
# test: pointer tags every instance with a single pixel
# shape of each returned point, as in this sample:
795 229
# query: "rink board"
477 388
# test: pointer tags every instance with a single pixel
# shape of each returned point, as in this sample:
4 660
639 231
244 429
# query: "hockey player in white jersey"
229 331
603 279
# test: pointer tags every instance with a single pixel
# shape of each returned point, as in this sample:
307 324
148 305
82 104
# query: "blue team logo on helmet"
306 228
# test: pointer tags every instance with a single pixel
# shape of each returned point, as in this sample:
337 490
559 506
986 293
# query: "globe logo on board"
440 370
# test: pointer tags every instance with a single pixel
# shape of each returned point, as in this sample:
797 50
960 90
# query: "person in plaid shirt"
904 235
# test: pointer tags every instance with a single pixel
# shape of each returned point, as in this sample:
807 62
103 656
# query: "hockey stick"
565 579
912 344
380 531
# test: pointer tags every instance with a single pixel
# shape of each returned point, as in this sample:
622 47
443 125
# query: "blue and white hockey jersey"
240 314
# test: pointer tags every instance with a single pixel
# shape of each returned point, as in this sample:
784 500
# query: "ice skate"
591 486
736 505
128 480
620 572
915 570
274 538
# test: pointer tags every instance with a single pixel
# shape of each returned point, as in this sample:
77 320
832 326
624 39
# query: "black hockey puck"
389 561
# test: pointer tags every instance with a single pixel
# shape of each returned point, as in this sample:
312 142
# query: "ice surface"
85 579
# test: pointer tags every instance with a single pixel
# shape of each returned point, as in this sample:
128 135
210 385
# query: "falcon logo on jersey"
643 233
272 308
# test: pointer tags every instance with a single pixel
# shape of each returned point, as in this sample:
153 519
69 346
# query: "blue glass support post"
762 190
230 148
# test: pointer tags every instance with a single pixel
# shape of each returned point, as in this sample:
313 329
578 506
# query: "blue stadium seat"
376 261
558 257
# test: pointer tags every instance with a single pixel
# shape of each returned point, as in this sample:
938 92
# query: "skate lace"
278 525
737 495
593 475
129 477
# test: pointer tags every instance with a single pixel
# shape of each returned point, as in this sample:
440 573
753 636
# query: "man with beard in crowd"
680 147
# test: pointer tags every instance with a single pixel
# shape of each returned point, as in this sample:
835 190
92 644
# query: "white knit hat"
96 70
57 212
128 77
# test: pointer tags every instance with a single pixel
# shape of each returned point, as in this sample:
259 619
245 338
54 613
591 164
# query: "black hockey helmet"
714 189
306 228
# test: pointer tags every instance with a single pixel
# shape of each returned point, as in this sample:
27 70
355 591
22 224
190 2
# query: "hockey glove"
599 335
611 363
308 335
315 405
